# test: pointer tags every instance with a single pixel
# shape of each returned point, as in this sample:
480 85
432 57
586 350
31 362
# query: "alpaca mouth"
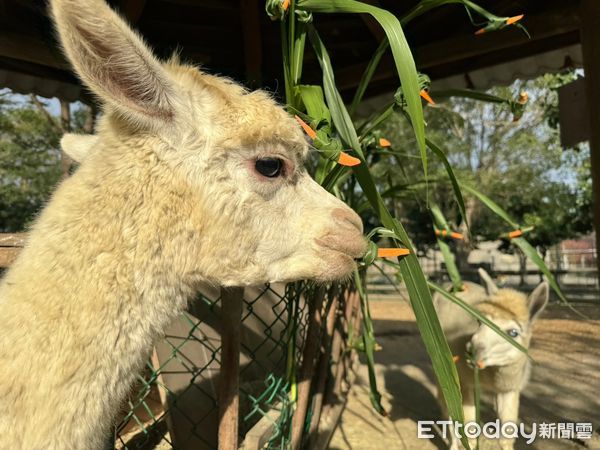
354 248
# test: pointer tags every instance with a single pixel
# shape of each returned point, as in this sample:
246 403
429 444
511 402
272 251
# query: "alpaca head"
514 313
239 155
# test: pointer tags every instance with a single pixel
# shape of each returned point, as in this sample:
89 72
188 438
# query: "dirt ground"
563 387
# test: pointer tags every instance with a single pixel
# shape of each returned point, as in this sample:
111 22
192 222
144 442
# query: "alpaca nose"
348 218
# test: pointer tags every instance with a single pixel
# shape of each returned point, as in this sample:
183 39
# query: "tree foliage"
29 162
30 157
520 164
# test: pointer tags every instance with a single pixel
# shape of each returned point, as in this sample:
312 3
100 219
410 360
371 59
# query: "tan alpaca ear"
113 61
490 286
78 146
538 300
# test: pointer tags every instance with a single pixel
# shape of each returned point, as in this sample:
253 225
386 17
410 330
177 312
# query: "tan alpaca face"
514 313
490 349
258 215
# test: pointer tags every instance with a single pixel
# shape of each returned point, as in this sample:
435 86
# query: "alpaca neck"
96 284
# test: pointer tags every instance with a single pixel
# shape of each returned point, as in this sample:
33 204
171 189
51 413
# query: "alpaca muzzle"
346 234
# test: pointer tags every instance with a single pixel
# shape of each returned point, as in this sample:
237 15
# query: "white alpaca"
190 179
504 369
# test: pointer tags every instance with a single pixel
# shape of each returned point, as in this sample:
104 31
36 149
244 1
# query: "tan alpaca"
505 369
190 179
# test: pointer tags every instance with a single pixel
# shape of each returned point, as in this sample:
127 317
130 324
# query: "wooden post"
323 372
311 348
351 305
232 300
590 43
162 393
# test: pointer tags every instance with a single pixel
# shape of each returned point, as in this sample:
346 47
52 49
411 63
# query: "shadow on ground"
563 386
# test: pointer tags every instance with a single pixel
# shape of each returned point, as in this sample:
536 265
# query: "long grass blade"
369 343
440 223
522 243
405 64
493 206
416 283
437 151
477 315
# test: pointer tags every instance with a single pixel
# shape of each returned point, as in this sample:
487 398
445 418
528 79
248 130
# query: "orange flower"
307 129
480 31
514 19
285 4
514 234
453 234
426 96
384 142
456 358
346 160
392 252
480 364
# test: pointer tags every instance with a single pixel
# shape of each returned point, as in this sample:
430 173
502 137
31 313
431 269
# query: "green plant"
335 129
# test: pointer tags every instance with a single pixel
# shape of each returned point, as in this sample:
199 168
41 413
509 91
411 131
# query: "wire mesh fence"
296 352
175 403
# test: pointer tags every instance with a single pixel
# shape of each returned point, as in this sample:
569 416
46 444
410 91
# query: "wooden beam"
221 5
250 14
12 239
590 43
10 247
26 48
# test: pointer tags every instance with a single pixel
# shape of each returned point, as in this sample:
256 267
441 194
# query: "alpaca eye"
513 332
269 167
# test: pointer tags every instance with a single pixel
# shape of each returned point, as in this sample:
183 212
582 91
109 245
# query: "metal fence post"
232 300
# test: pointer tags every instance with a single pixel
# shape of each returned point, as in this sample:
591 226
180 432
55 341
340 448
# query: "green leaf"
421 8
493 206
412 274
440 223
437 151
535 257
517 107
405 64
314 102
369 344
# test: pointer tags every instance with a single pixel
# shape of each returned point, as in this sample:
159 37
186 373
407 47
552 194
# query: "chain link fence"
175 403
295 357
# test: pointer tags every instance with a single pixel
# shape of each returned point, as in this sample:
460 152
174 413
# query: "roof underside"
236 38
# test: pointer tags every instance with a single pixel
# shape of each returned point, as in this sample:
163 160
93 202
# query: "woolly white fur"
166 198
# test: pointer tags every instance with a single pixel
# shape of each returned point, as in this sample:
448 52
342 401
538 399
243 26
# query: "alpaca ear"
490 286
538 300
78 146
113 61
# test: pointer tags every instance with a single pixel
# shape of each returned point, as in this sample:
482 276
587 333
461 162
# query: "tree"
520 164
30 157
